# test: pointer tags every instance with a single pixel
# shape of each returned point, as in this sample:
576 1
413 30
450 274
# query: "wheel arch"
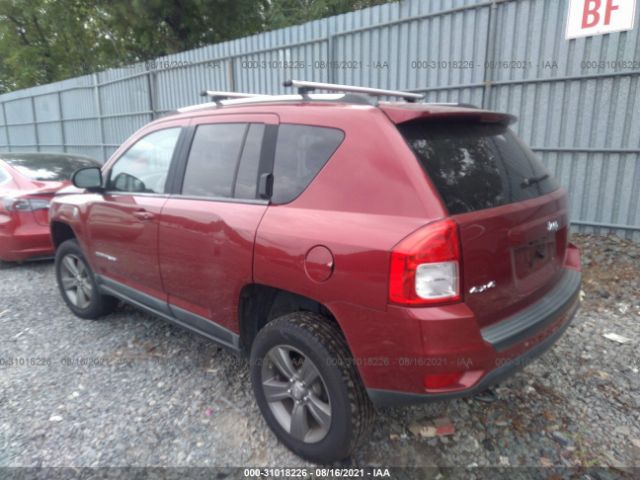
61 232
260 304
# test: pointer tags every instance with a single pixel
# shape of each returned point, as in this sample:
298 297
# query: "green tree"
283 13
42 41
145 29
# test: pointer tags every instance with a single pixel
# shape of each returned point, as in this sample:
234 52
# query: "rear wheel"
77 284
308 388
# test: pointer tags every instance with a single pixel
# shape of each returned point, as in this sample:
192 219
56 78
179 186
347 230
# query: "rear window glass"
301 152
45 168
475 165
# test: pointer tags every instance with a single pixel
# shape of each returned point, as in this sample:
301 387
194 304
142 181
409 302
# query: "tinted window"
213 158
45 167
144 167
301 152
247 181
476 166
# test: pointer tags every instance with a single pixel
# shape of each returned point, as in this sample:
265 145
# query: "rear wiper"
527 182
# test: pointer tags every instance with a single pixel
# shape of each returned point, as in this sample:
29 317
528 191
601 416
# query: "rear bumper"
443 341
20 242
526 323
507 368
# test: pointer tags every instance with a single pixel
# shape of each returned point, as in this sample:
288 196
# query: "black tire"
98 304
352 412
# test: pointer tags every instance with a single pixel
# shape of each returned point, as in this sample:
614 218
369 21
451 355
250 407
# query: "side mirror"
89 178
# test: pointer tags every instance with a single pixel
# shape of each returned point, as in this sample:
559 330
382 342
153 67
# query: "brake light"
425 266
13 204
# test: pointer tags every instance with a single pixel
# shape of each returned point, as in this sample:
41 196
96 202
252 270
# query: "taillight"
13 204
425 266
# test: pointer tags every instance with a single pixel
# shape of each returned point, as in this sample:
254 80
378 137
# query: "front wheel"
308 389
77 283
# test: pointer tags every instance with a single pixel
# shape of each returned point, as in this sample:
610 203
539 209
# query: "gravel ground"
131 390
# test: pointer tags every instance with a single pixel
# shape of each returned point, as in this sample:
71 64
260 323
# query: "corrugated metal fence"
577 100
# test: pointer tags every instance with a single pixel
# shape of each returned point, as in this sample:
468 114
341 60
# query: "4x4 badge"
552 226
482 288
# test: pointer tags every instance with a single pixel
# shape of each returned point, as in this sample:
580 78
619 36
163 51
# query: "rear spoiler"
401 114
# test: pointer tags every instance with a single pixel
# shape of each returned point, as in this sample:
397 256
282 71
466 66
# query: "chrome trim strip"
248 201
111 258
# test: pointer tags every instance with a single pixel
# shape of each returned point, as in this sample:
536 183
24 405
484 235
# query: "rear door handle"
142 214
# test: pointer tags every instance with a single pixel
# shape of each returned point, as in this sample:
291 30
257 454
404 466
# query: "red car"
360 252
28 181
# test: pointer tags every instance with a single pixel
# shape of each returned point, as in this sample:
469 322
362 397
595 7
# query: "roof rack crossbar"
218 96
305 87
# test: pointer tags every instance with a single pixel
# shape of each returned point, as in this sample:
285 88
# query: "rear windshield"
477 165
48 168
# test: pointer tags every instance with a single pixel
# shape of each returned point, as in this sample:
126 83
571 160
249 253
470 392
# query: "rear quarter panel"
369 195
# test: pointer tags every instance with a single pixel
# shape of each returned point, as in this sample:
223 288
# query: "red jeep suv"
361 252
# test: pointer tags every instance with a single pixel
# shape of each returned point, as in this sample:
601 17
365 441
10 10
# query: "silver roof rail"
305 87
222 102
218 96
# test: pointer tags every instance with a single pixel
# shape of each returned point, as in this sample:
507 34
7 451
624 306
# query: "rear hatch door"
511 213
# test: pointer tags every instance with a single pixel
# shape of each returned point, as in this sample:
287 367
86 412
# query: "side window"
301 151
144 167
213 159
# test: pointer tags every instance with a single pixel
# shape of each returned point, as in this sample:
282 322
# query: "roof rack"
345 93
305 87
226 99
218 96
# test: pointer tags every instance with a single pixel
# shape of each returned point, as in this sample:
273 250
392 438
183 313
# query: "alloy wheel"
296 393
76 281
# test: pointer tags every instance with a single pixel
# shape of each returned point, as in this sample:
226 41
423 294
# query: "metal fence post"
63 135
6 127
231 74
331 74
489 56
35 123
151 88
98 103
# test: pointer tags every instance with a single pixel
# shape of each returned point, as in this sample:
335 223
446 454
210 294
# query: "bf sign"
595 17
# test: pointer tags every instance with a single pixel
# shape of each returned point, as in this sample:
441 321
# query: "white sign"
595 17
